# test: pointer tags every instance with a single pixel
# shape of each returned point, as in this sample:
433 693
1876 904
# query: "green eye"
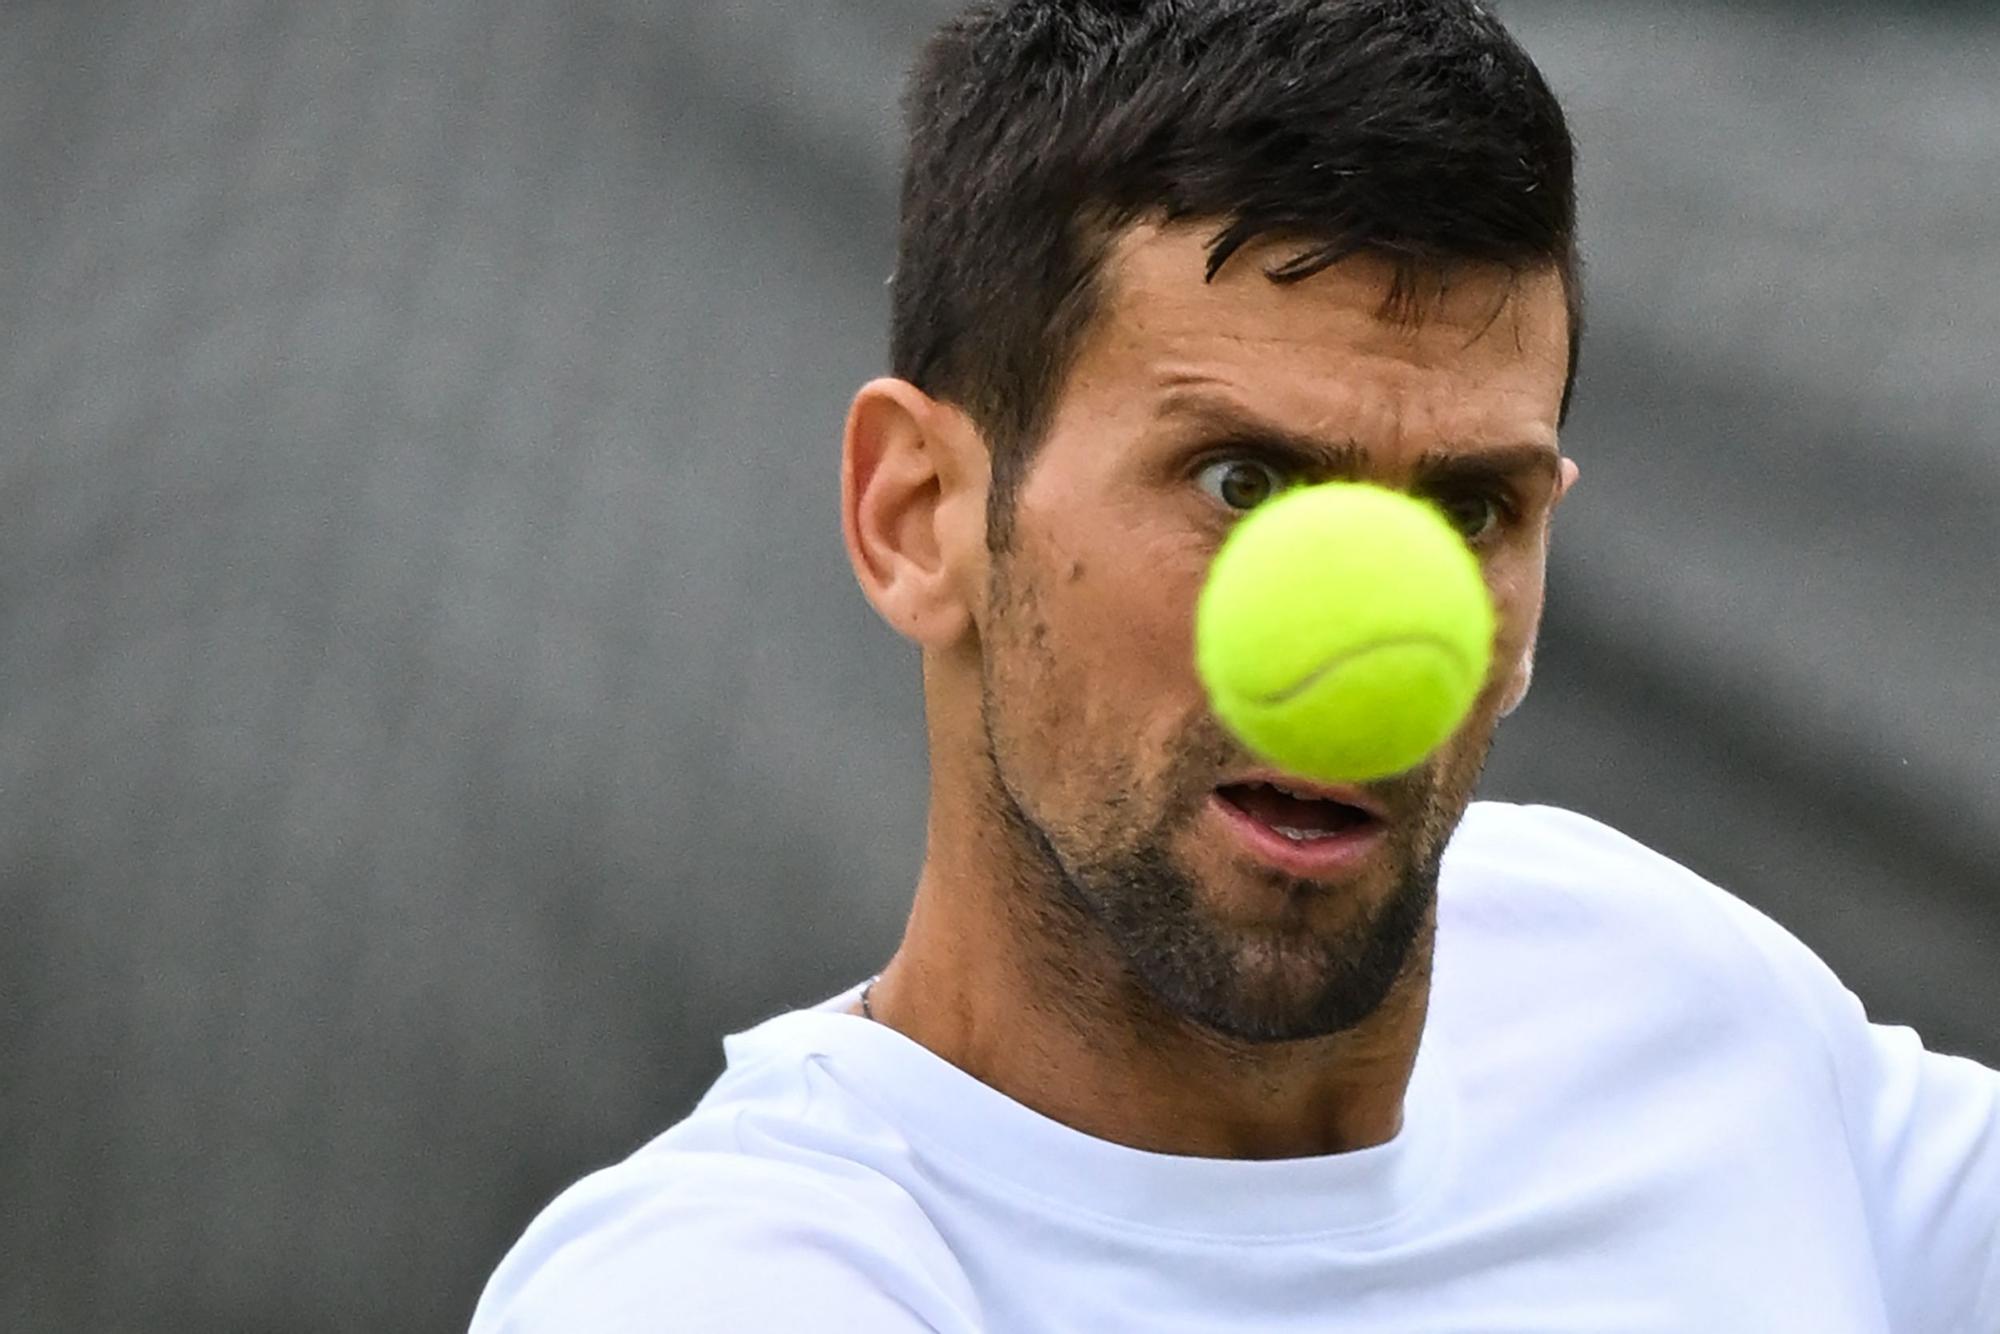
1240 483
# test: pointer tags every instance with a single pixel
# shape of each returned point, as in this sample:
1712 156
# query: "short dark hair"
1040 129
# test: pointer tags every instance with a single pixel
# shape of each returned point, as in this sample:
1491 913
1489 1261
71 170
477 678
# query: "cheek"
1118 588
1130 618
1517 601
1107 674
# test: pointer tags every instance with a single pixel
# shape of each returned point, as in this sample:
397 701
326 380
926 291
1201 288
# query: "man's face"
1190 401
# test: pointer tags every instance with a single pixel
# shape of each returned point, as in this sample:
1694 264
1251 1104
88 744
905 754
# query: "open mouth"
1299 813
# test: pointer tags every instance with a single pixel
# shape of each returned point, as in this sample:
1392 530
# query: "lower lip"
1316 858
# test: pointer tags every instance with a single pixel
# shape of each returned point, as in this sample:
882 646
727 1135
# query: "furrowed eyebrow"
1229 426
1496 463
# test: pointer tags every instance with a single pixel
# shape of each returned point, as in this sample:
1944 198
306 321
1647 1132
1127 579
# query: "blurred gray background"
434 706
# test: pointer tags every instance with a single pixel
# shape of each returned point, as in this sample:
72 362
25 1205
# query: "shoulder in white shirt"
1640 1106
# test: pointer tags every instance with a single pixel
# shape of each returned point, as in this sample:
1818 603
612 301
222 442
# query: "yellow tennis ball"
1344 632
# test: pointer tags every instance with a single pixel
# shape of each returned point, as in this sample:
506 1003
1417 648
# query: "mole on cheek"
1076 572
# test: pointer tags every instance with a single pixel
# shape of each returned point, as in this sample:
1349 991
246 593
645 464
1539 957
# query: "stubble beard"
1119 880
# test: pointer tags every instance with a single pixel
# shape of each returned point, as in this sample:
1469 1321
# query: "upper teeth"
1294 792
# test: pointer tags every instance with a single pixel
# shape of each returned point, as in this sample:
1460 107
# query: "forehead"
1482 351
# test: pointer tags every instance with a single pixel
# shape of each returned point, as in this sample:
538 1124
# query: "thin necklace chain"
867 1010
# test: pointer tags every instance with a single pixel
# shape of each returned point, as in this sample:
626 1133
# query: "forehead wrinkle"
1158 324
1148 269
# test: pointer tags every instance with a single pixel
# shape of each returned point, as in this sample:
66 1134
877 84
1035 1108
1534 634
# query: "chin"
1264 986
1315 960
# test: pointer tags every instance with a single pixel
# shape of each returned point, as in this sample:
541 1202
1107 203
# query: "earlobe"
903 484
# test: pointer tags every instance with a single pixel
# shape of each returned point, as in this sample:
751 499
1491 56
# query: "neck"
999 975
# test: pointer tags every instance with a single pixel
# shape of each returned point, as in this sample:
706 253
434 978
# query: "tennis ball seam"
1340 660
1344 631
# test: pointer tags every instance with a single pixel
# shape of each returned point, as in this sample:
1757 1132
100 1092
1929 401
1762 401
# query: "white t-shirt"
1639 1106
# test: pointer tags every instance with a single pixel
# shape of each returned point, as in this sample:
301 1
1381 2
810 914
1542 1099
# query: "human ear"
1566 477
912 481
